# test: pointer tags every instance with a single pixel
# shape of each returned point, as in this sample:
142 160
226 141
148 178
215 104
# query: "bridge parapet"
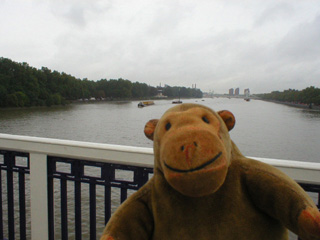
71 188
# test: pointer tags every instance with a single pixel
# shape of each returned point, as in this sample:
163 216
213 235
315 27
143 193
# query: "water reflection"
309 113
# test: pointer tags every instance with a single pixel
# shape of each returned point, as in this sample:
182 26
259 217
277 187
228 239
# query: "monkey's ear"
228 118
150 127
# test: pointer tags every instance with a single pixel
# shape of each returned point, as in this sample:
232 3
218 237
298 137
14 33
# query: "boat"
145 103
176 102
247 96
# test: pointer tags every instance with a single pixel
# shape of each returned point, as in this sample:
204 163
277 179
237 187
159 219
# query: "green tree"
12 100
17 99
307 96
137 91
3 95
22 85
167 91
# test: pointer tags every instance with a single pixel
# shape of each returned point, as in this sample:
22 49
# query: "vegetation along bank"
306 98
23 86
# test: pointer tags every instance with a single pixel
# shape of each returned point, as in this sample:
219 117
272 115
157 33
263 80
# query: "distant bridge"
242 96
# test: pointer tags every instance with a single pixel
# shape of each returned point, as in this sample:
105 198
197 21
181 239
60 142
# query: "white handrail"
128 155
308 172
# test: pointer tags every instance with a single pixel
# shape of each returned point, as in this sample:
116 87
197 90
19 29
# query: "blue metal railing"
76 191
103 174
10 164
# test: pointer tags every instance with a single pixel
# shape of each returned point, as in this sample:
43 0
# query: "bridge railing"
61 189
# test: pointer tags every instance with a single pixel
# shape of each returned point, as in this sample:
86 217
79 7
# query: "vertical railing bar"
50 169
1 210
77 169
50 207
10 164
141 176
107 203
109 174
77 208
22 206
92 189
123 194
64 210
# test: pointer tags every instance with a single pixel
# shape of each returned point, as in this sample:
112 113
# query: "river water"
263 129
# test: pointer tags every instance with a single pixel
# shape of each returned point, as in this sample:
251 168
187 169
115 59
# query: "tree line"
183 92
22 86
309 95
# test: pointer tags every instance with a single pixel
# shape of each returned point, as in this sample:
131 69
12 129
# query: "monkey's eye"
205 119
168 126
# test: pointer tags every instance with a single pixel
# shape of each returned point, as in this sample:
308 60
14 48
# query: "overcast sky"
215 44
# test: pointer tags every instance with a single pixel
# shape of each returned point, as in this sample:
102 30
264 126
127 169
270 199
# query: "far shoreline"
89 101
296 105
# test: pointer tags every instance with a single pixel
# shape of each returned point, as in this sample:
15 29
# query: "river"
263 129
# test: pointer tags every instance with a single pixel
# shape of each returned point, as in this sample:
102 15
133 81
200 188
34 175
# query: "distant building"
237 92
247 92
160 92
231 91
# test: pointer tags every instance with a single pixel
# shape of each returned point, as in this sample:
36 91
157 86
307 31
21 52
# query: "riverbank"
297 105
94 101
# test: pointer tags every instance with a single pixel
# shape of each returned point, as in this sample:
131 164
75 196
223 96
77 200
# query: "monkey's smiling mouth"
194 169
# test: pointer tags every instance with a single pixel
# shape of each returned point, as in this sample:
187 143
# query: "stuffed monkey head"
192 148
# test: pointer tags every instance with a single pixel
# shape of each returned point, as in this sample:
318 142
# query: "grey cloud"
302 43
79 13
275 13
75 14
273 47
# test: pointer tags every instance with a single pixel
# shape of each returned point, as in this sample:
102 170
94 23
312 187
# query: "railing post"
39 196
10 163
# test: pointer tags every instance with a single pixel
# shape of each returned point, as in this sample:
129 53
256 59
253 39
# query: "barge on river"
145 103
